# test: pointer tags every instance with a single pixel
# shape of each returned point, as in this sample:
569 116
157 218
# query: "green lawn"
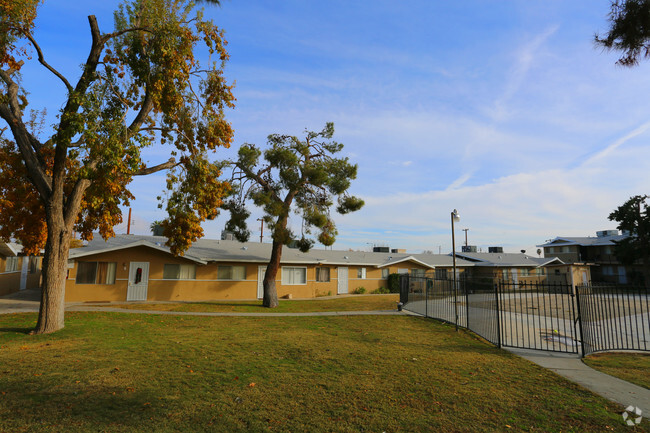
348 303
633 367
113 372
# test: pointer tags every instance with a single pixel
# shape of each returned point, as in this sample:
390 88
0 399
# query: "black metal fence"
544 316
538 316
614 317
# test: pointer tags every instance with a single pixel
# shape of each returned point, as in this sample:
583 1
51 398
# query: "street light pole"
261 220
455 217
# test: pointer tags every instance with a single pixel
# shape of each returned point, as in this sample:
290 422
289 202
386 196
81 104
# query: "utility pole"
128 224
466 230
261 220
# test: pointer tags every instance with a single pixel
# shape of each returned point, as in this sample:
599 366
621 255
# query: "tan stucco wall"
9 282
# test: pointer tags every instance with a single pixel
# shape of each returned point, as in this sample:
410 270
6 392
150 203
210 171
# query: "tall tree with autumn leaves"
141 85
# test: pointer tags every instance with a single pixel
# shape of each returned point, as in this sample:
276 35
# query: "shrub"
393 283
380 291
359 290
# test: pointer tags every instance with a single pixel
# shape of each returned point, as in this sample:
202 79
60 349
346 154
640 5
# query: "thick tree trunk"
51 312
270 299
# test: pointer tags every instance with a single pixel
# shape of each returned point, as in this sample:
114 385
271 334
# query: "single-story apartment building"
516 268
17 271
139 268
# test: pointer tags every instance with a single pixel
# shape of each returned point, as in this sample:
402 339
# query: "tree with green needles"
633 216
297 175
629 31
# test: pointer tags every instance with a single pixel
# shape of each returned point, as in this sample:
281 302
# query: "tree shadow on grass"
96 408
17 330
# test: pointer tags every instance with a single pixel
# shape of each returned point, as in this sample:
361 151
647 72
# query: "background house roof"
213 250
584 241
10 249
507 259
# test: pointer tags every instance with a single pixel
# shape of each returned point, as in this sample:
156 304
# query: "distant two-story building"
596 252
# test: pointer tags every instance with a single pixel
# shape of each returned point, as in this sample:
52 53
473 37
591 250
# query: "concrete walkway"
25 301
568 365
571 367
81 307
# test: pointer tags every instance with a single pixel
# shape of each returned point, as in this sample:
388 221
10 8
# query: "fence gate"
538 316
614 317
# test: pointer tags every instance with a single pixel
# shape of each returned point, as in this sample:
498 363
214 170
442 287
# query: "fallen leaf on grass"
251 385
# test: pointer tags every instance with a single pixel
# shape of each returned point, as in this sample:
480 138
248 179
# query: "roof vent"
499 257
159 244
244 248
346 257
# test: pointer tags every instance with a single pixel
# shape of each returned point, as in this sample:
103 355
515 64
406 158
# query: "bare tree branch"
164 166
42 61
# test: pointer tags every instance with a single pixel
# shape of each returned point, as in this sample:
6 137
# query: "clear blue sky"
504 110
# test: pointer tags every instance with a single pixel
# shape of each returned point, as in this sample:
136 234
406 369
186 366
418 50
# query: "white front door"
138 281
342 280
261 270
23 273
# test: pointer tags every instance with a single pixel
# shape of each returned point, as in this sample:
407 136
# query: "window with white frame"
293 276
322 275
361 273
231 272
175 271
384 273
441 274
96 272
505 274
11 264
525 272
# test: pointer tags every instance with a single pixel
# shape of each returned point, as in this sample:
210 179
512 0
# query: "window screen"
323 275
96 272
294 275
179 272
11 264
231 273
361 273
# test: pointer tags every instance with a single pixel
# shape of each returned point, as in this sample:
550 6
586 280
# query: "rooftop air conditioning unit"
495 249
605 233
469 248
380 250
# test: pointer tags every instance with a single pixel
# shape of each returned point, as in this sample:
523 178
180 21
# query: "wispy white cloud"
618 143
525 58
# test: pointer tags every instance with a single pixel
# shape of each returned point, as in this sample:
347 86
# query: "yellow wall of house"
10 281
206 286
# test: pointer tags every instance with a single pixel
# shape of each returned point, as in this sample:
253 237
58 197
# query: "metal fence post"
579 320
496 298
466 303
426 298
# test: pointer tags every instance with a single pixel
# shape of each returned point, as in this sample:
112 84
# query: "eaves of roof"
81 252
